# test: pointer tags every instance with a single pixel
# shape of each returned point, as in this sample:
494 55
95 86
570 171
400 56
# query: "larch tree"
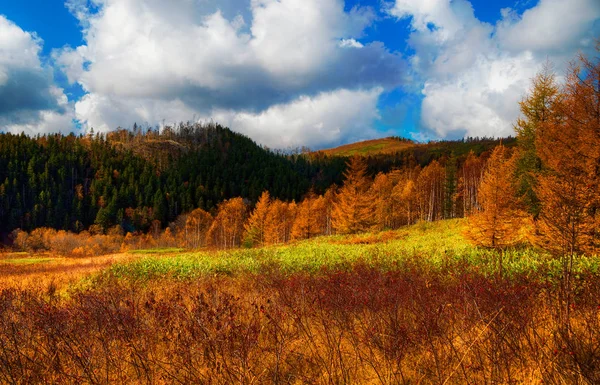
353 209
381 191
569 147
279 220
536 109
500 221
228 226
256 225
305 224
568 189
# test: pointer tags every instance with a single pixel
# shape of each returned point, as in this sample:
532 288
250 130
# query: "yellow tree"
381 191
500 221
308 215
404 198
256 225
568 145
353 209
536 109
228 226
279 220
468 183
430 191
197 224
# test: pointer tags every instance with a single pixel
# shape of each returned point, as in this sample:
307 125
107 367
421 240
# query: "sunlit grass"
438 247
25 261
166 250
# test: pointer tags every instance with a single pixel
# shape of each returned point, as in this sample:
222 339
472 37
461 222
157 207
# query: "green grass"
437 246
166 250
25 261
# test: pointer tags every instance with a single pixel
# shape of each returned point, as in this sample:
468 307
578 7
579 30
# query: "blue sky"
285 72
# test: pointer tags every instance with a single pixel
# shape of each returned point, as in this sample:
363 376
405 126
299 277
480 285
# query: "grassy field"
370 147
418 305
437 246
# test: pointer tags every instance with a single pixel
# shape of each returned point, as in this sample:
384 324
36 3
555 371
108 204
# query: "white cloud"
473 73
325 119
29 100
158 59
551 27
350 43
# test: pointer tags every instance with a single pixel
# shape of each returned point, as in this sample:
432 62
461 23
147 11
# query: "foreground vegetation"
417 305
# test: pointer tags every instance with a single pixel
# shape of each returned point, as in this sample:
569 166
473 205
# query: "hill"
132 178
371 147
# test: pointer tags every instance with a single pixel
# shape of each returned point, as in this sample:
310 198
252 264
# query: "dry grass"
38 272
409 324
370 147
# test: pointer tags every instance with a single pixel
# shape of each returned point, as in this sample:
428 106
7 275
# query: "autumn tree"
430 191
468 183
310 217
568 145
228 226
196 227
536 110
381 191
404 197
500 220
279 221
255 227
353 210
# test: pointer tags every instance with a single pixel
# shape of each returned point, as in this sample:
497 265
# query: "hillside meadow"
416 305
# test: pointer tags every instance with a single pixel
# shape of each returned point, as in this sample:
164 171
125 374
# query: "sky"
287 73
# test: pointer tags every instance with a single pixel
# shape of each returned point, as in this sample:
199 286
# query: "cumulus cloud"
473 73
29 100
323 120
158 59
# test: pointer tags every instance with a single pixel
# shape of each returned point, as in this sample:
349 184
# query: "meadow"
419 305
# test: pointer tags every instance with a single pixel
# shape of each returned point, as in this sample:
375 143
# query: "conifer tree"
255 227
536 109
500 220
353 209
569 147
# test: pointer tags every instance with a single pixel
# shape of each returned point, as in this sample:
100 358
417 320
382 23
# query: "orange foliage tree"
569 147
353 209
568 188
279 221
196 227
468 183
309 217
500 220
430 191
228 226
256 225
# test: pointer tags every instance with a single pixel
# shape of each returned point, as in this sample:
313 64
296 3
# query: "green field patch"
436 247
166 250
25 261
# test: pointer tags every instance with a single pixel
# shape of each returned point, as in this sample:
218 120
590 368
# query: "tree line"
132 178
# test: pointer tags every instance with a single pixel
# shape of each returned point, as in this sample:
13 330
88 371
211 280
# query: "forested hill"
131 178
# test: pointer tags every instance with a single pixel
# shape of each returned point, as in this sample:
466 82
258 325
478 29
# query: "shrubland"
416 305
